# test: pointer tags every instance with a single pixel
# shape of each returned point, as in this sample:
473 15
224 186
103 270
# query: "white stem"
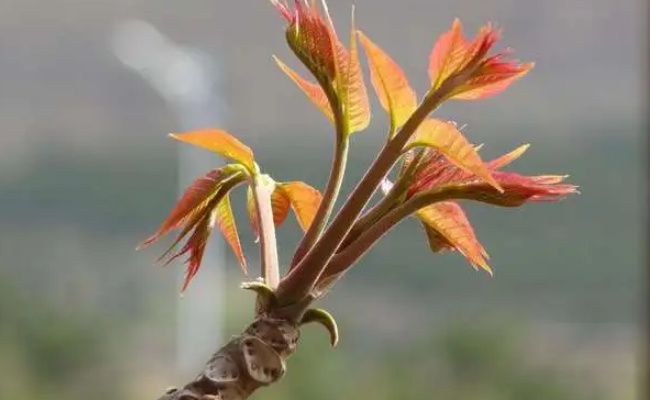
262 189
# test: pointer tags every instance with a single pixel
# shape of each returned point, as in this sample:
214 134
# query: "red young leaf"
438 174
196 212
310 37
226 223
491 78
304 201
478 48
314 92
447 227
452 54
393 90
189 226
517 189
195 245
435 169
195 199
448 140
221 142
313 39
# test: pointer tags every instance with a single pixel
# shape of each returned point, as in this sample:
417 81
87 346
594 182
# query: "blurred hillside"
86 172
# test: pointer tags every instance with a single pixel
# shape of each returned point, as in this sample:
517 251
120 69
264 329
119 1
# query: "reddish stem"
299 282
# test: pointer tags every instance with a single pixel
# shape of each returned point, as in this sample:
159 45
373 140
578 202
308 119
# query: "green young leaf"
265 293
325 319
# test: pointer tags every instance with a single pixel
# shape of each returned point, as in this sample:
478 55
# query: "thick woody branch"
254 359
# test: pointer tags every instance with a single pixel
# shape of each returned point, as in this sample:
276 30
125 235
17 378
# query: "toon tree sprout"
437 167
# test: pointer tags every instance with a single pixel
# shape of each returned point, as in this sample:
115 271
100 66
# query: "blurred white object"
185 78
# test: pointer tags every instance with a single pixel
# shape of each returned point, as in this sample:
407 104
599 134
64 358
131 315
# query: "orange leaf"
390 83
304 201
449 55
508 158
352 90
447 227
221 142
226 223
195 199
483 76
448 140
314 92
280 205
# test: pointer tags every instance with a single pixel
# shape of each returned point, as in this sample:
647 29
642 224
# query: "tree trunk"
249 361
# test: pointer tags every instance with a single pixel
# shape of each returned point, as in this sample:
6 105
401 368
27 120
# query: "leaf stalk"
268 244
300 281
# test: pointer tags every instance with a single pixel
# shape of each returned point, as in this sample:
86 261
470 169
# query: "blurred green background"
86 172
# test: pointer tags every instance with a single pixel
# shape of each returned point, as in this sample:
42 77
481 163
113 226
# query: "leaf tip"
496 185
146 242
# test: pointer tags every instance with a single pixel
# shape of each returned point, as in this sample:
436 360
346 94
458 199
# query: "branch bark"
253 359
